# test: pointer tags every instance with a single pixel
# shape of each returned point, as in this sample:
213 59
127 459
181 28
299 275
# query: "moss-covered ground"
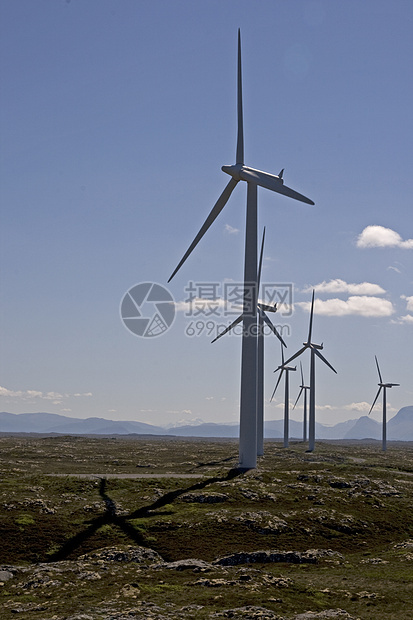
187 500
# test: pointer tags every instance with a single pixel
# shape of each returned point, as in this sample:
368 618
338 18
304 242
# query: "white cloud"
231 230
409 302
319 408
361 407
381 237
325 407
354 305
340 286
392 268
34 394
55 397
407 318
10 393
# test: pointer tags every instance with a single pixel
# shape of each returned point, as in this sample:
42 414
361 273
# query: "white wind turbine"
253 178
303 388
287 369
383 386
262 308
315 351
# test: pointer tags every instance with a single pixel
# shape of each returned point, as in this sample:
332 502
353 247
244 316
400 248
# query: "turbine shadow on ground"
109 517
213 463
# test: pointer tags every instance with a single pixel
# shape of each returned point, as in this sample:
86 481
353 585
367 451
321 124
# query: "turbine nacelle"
382 386
274 183
239 172
267 308
311 345
284 367
233 171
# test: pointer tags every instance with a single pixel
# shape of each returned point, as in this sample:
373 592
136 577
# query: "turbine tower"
314 351
262 317
253 178
383 386
303 388
287 369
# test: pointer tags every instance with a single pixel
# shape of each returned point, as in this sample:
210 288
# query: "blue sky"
116 118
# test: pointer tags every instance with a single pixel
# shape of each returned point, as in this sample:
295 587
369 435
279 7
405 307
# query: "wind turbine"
315 351
303 388
262 317
253 178
383 386
287 369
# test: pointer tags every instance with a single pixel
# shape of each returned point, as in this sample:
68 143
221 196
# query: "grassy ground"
351 499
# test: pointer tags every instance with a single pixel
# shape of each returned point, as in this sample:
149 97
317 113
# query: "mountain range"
399 428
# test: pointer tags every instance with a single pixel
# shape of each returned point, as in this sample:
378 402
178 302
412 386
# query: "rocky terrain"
120 529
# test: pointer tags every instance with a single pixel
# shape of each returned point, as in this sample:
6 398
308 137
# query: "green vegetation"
350 499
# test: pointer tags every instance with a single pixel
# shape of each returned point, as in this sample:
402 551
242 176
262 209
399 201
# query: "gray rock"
249 612
407 544
5 575
327 613
263 522
264 557
190 564
339 483
130 553
214 583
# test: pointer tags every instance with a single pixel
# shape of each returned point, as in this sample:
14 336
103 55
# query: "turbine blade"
310 329
302 374
377 364
216 210
271 182
228 329
298 397
260 263
273 328
277 384
374 401
240 136
317 352
291 193
296 355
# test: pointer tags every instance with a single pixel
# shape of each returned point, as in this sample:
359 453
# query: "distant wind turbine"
303 388
253 178
262 318
315 351
287 369
383 386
